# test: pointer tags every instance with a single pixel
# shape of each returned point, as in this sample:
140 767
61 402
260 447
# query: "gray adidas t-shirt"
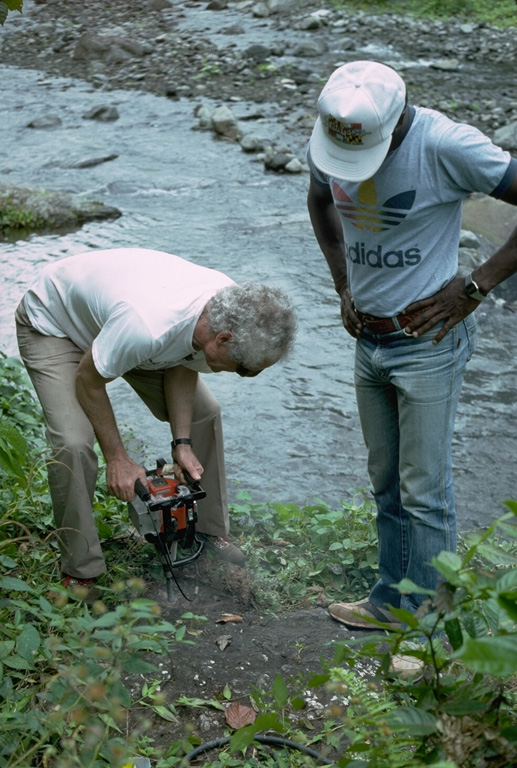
402 226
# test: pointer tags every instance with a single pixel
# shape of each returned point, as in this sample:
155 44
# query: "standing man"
156 320
387 185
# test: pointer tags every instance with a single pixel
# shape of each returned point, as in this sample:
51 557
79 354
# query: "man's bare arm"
329 234
452 304
121 471
180 389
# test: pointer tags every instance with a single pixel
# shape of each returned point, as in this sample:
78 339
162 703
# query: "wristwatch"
472 289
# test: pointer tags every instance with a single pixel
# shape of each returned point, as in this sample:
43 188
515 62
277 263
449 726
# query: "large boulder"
35 209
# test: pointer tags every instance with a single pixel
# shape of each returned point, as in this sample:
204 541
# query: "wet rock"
506 136
103 114
261 10
36 210
310 48
217 5
469 239
446 65
294 166
45 122
90 162
282 6
277 160
257 52
251 143
309 22
91 47
225 123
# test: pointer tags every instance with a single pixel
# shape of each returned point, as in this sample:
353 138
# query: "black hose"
276 740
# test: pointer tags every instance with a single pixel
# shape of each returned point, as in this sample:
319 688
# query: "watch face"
473 291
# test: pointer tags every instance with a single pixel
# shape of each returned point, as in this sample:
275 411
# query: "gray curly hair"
261 319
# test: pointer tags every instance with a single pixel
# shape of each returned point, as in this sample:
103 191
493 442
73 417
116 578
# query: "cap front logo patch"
344 133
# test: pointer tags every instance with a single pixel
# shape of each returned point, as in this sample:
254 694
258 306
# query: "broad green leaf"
454 633
17 662
165 714
512 506
407 587
406 617
28 643
280 692
6 647
416 721
12 584
491 655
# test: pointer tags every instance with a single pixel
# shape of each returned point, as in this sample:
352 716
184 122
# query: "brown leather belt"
386 324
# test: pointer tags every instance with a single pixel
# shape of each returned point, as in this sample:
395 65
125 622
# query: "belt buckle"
406 333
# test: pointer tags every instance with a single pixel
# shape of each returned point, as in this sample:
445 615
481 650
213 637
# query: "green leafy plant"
9 5
298 552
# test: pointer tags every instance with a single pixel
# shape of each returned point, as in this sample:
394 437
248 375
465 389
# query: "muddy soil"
180 57
240 654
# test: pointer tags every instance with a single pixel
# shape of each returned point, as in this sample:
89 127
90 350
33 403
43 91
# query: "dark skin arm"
329 234
452 304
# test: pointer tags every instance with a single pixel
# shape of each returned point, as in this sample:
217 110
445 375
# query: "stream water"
293 433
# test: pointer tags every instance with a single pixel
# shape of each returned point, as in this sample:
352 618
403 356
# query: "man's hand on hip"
450 306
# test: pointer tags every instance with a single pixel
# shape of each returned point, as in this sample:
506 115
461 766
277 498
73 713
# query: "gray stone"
91 47
104 114
294 166
310 48
225 123
469 239
43 210
45 122
446 65
506 136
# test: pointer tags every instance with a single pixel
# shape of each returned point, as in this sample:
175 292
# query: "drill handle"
194 484
141 490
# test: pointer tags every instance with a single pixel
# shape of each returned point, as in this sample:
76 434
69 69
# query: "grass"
500 13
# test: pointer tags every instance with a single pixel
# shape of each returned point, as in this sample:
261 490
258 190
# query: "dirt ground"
241 654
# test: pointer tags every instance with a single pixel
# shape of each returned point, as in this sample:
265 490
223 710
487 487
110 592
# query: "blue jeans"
407 392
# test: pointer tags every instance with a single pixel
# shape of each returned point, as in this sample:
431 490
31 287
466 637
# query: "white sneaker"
407 667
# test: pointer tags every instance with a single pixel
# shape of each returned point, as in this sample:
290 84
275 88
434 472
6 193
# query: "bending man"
156 320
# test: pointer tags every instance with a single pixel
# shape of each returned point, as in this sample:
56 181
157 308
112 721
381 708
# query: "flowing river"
293 433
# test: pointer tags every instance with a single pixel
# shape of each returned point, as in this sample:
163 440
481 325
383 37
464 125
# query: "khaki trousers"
51 363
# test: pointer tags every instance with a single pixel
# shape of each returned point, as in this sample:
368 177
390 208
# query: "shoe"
351 613
223 548
84 589
407 667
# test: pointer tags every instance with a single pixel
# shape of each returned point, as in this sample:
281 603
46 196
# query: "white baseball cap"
359 108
